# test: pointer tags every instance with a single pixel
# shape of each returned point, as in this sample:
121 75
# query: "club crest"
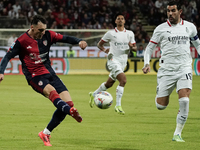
45 42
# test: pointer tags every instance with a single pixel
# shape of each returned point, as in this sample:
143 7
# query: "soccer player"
121 42
175 70
33 49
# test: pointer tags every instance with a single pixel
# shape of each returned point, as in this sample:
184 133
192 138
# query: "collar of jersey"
119 31
168 22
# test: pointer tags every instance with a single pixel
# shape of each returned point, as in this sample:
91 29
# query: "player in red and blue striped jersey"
33 49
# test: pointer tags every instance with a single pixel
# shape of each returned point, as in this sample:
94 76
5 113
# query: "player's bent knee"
160 107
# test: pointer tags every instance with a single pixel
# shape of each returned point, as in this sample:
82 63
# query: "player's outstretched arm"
101 47
146 69
1 77
82 45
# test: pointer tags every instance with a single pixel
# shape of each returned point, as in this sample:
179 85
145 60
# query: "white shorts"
115 67
168 80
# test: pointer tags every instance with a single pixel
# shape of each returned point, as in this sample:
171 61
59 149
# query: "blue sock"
57 118
62 106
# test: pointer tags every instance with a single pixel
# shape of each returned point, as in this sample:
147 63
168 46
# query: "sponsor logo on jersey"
178 39
29 47
120 44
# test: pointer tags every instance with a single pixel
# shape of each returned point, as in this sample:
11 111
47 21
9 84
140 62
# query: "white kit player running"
121 42
175 70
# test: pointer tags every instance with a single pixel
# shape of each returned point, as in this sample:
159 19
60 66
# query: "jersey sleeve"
11 53
107 37
132 39
156 36
193 34
57 37
194 38
151 46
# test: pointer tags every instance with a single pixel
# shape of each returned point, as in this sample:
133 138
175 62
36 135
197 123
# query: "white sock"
179 128
46 131
102 87
119 93
182 114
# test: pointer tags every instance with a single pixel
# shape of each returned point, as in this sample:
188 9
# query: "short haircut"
38 18
174 2
119 14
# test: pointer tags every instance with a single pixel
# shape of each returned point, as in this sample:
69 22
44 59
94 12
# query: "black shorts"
38 83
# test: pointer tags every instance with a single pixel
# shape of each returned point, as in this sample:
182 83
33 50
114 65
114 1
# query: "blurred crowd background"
142 16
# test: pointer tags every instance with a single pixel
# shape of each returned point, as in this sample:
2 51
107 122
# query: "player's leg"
184 87
182 113
117 73
119 92
49 91
166 83
162 102
103 87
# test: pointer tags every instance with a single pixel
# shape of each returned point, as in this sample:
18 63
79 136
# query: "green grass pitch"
24 113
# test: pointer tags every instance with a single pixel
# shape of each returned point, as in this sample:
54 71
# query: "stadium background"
89 20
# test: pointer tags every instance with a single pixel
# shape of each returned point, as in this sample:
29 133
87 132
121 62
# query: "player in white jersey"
121 42
175 70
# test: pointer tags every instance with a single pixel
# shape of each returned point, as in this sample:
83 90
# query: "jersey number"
189 76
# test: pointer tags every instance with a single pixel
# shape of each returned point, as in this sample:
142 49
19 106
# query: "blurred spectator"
140 51
40 12
122 7
54 25
4 13
11 13
66 19
11 39
31 13
104 26
70 52
144 7
133 26
94 18
44 6
132 54
158 4
1 6
89 25
16 7
97 25
60 25
36 6
9 7
85 19
101 14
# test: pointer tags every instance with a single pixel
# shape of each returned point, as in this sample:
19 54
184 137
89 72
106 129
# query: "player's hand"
107 50
82 45
146 69
133 47
1 77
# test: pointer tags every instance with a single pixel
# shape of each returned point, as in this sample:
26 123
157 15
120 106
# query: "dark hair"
173 2
119 14
38 18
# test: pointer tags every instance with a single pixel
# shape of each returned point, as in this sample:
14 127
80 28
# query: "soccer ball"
103 100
